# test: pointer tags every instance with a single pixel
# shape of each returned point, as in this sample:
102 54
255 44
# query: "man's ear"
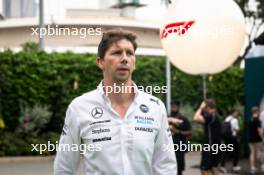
100 63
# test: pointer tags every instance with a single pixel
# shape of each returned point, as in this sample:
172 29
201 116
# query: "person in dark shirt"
255 138
231 138
181 131
208 115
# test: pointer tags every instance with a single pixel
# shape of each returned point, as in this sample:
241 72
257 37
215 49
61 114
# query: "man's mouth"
123 69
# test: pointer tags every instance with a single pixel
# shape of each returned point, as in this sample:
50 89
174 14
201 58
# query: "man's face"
174 110
206 109
235 114
118 62
256 114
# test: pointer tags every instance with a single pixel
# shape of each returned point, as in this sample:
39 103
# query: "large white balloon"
203 36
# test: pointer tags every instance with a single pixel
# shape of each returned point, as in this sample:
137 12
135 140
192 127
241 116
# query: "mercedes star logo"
97 112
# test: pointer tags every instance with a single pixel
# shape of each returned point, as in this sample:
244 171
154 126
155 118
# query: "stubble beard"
119 79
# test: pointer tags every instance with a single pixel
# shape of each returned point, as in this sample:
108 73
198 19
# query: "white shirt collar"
100 88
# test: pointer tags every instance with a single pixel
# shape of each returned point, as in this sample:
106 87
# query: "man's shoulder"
150 99
262 115
228 118
216 116
213 118
85 98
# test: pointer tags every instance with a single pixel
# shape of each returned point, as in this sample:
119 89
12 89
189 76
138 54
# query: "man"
130 128
181 130
233 140
261 118
207 115
255 139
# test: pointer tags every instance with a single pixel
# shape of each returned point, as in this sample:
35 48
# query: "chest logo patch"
97 112
144 120
143 108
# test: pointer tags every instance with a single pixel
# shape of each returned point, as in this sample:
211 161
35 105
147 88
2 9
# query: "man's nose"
124 58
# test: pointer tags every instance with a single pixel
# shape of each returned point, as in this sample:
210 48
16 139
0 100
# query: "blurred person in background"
261 118
209 117
255 139
231 136
181 131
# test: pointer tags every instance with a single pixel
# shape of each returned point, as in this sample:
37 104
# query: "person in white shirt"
233 139
128 131
232 118
261 118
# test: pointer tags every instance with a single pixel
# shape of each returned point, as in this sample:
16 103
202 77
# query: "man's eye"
116 53
130 53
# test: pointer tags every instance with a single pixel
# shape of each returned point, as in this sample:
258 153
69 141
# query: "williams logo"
143 108
97 112
144 120
180 28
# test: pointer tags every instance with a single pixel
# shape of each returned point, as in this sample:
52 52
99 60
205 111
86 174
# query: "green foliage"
189 85
30 78
2 123
33 120
197 129
150 72
227 88
30 47
51 79
12 145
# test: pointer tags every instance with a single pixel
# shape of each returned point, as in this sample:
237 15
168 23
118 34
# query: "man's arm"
260 132
164 161
183 127
187 130
67 160
236 126
198 117
174 122
261 117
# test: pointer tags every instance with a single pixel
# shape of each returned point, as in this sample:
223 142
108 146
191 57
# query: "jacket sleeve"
164 160
68 154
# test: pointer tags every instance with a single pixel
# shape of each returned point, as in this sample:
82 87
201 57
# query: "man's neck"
126 95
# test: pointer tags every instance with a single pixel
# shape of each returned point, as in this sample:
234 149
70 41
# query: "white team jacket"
130 146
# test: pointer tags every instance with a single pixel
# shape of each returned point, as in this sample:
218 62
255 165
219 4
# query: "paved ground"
43 165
